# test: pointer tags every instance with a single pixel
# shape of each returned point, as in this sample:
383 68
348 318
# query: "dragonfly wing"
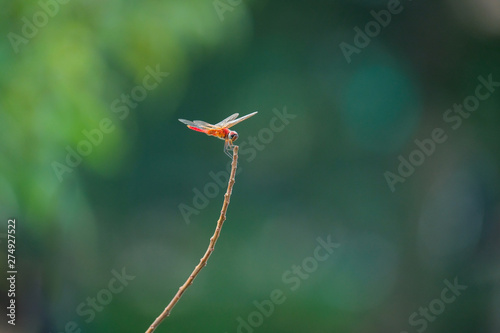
203 124
187 122
192 125
228 119
236 121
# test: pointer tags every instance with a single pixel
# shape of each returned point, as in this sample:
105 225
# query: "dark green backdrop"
367 198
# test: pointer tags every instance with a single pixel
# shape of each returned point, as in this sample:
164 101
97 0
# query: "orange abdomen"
221 133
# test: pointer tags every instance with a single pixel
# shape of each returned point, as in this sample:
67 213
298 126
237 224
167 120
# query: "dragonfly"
219 130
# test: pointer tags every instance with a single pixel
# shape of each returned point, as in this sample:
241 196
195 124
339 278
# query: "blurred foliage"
322 173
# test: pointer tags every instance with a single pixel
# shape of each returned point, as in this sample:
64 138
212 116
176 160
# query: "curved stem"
211 246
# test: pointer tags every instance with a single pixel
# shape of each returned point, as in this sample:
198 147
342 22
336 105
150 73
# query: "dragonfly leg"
228 149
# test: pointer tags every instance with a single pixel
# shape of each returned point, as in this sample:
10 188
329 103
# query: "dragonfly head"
232 136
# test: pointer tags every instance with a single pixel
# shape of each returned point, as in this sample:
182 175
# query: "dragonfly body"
220 130
222 133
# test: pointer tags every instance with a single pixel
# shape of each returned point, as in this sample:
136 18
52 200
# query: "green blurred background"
67 69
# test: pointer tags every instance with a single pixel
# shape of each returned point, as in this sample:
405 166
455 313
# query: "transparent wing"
228 119
197 123
236 121
204 124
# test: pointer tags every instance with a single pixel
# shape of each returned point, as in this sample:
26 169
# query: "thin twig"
211 245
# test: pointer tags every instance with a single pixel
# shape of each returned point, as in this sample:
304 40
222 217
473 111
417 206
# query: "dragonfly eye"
233 136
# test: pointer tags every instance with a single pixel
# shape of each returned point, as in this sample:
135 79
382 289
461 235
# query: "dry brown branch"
211 245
